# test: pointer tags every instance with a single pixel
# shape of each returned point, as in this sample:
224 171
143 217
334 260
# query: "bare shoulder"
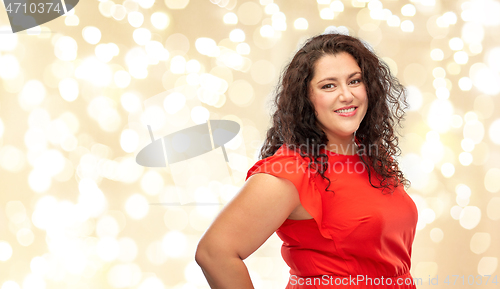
259 208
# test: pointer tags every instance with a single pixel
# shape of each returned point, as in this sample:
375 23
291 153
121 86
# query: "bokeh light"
78 210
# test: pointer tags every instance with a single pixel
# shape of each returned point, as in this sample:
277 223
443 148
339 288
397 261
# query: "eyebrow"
335 79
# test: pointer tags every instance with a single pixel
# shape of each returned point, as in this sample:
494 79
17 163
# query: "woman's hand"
261 206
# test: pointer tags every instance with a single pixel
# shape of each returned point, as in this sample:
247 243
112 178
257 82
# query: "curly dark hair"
294 121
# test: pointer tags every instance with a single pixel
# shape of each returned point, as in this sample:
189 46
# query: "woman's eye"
326 86
356 81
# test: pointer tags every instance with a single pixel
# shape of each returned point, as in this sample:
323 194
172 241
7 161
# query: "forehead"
336 65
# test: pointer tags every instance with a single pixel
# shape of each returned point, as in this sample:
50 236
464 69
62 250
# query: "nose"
345 94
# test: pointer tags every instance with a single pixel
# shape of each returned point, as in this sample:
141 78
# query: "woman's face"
339 96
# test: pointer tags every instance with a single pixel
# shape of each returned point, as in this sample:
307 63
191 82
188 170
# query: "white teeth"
346 110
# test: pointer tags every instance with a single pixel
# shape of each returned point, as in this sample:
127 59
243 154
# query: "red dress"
359 237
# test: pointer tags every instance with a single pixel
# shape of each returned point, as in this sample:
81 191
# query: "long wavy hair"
294 121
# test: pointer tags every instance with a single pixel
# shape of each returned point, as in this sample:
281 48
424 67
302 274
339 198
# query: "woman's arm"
261 206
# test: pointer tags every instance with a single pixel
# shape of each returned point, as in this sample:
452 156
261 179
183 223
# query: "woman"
328 182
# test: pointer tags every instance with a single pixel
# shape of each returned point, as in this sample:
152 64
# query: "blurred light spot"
107 226
122 78
428 215
393 21
135 19
436 235
137 206
461 57
107 249
153 282
128 249
129 139
407 26
453 68
193 66
174 102
154 116
249 13
448 170
9 66
243 48
32 281
152 183
69 89
474 130
278 21
467 144
174 244
408 10
207 46
156 52
237 35
15 211
337 6
442 93
494 131
475 48
118 12
455 212
199 114
241 93
5 251
472 32
124 275
487 266
230 18
437 54
271 8
439 115
94 71
32 94
480 242
456 43
10 285
8 41
301 24
439 72
25 237
39 266
146 4
470 217
493 209
465 83
130 102
491 180
160 20
66 48
176 4
91 34
141 36
91 197
485 79
465 158
178 64
267 31
11 158
39 181
326 13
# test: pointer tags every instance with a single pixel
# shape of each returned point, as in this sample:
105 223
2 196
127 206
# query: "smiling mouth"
350 109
